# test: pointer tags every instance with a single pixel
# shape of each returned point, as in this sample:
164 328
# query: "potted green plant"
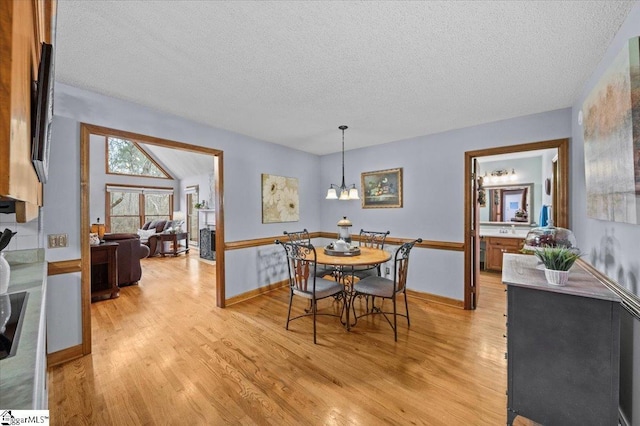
557 262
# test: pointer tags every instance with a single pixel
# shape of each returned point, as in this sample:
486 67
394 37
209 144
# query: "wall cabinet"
563 347
496 247
24 25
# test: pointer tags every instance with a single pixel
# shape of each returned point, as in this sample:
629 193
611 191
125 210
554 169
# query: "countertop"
18 373
525 271
495 232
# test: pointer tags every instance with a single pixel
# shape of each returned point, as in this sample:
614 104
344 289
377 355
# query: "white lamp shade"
178 215
353 194
331 194
344 194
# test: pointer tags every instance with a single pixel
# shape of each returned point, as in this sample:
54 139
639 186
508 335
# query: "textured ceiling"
292 72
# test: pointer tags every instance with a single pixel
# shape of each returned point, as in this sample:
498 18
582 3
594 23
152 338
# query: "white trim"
138 190
113 188
157 191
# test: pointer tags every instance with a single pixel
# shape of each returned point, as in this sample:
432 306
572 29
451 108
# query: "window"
128 158
129 207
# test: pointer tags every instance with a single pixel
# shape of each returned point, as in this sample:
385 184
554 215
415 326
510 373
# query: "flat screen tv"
42 112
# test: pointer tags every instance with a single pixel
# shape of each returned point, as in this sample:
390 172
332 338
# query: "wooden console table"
173 240
104 271
563 346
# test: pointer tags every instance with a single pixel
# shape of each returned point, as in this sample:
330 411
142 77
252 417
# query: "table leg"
349 297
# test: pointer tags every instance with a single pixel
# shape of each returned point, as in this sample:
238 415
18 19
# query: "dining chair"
372 239
298 237
386 288
303 282
303 237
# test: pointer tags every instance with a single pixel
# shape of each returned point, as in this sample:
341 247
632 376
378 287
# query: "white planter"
556 277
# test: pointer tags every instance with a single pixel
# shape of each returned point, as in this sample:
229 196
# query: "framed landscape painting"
280 200
382 189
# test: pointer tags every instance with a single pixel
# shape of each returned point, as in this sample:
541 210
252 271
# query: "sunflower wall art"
280 200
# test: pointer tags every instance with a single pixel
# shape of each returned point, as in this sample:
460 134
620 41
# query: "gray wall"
611 247
245 159
433 190
61 215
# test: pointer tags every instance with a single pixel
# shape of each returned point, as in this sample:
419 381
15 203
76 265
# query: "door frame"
560 212
86 130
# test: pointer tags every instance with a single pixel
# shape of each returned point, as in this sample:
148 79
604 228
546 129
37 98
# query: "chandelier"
345 192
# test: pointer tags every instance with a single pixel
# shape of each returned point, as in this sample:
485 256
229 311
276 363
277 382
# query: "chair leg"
315 308
353 308
406 308
395 320
289 312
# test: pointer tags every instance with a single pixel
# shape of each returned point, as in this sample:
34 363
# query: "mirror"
507 204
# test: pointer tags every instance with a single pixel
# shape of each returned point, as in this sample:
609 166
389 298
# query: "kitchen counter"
495 232
22 376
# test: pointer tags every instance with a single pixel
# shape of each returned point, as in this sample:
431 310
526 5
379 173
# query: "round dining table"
346 263
368 257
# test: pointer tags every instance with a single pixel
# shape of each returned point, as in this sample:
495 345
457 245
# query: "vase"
5 272
5 311
556 277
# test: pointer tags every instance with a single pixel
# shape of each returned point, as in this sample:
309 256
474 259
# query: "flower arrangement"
558 258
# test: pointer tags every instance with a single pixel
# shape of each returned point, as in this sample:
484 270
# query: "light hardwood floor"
164 354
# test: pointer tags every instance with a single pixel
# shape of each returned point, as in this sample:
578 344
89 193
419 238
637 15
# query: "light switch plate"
57 240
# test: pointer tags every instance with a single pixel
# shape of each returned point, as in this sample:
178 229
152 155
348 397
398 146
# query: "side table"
104 271
173 243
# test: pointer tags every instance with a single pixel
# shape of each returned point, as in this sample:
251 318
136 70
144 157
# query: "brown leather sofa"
129 253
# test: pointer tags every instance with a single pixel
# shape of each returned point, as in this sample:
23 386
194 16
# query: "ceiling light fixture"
345 192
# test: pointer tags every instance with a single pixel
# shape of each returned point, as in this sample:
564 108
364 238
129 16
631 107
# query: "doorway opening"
524 211
86 132
192 197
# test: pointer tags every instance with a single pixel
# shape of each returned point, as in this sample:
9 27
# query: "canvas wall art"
280 200
382 189
611 125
